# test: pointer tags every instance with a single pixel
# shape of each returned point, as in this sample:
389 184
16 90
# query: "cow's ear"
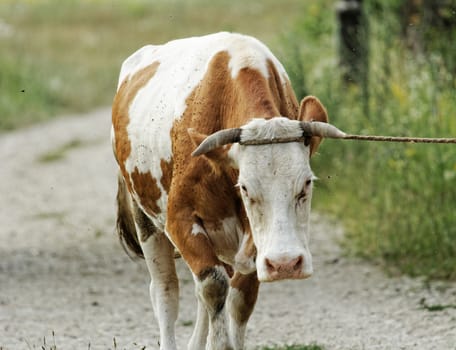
196 137
218 156
311 109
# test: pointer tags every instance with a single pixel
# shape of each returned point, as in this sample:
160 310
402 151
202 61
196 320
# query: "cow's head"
275 182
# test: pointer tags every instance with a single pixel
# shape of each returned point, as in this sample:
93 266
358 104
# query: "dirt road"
63 272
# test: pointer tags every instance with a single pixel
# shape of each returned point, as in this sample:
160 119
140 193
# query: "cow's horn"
218 139
322 130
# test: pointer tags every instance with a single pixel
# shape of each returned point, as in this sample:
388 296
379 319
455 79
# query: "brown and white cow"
238 214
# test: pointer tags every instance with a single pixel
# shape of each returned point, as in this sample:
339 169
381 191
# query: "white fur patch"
226 238
262 129
242 262
197 229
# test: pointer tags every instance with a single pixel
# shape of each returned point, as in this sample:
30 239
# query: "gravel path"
65 280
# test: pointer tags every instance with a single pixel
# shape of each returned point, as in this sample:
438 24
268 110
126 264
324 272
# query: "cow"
194 181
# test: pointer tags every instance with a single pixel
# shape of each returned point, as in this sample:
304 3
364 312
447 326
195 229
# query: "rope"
354 137
399 139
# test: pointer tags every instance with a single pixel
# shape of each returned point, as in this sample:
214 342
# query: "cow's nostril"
298 263
269 265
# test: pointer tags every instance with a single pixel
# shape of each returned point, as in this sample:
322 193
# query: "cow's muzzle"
285 267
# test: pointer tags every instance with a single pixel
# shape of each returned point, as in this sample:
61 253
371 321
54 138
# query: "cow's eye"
308 182
244 190
246 194
301 197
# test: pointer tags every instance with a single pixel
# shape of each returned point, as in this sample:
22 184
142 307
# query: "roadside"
63 271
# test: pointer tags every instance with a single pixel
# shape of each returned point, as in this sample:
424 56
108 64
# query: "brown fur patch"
125 219
195 249
248 286
120 117
146 226
215 290
283 93
147 190
167 174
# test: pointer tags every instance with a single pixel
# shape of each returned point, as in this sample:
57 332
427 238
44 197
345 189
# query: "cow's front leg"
240 304
211 284
199 337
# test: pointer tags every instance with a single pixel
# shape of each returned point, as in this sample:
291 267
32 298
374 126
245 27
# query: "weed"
58 216
60 152
99 233
295 347
435 307
46 346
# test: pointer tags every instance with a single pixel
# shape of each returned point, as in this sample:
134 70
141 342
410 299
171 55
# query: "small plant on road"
295 347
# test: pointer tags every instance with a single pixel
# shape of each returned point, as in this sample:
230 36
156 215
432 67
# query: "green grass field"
62 57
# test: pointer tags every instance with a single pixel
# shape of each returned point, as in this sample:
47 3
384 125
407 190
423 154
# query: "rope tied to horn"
353 137
310 129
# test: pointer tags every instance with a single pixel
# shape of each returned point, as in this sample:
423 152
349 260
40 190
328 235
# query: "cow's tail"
126 221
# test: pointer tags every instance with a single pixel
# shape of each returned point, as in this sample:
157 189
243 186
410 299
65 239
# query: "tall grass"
398 202
64 56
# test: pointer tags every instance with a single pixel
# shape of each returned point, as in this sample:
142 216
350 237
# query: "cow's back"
154 86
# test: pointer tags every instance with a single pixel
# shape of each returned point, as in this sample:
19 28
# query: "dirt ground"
65 280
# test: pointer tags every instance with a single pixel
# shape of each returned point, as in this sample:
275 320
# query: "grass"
397 201
435 307
51 345
187 323
60 152
295 347
64 56
53 215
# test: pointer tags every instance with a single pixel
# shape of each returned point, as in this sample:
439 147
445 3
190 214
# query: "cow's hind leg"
164 287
